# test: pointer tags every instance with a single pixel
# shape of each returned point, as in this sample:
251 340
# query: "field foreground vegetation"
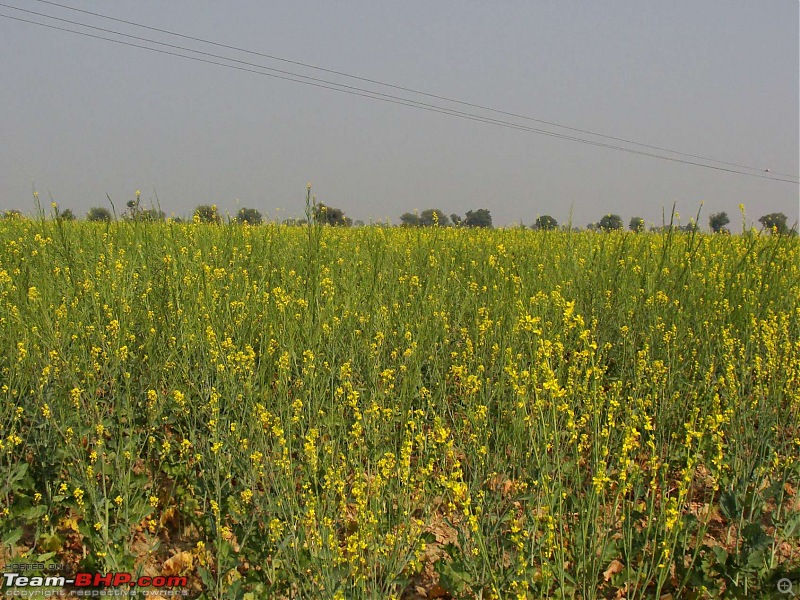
370 413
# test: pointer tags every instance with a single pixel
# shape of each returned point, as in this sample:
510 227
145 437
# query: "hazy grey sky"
81 118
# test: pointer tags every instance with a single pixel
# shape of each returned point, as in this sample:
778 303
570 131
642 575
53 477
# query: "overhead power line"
352 90
413 90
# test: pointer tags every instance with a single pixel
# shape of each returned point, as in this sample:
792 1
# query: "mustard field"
317 412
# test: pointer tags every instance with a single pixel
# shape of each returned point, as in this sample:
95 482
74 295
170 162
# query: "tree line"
430 217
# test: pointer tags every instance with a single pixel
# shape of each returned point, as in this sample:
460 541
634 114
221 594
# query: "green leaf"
233 591
13 537
792 527
17 475
33 513
52 543
454 580
22 468
729 505
756 560
755 537
85 529
207 578
720 555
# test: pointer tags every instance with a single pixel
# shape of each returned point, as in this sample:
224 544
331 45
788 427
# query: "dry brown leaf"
613 568
182 562
170 517
443 533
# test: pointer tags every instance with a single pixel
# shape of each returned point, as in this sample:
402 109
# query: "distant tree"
410 220
358 223
206 213
66 215
328 215
775 222
717 221
690 227
546 223
13 213
292 222
455 219
593 227
153 215
478 218
98 213
135 212
250 216
611 223
636 224
433 216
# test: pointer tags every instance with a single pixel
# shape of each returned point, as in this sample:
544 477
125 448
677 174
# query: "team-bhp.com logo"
92 584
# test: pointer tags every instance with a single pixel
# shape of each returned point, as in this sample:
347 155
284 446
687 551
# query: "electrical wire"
412 90
352 90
